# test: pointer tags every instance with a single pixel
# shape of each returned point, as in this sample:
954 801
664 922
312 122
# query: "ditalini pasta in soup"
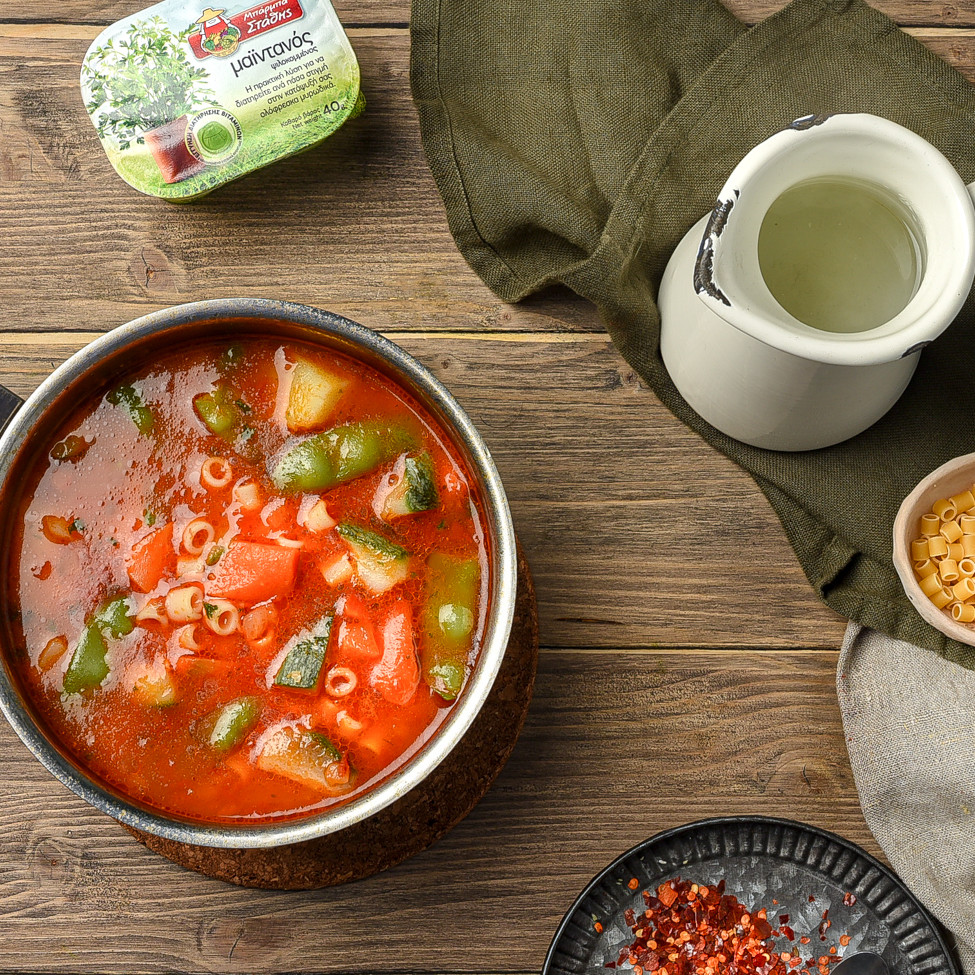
250 579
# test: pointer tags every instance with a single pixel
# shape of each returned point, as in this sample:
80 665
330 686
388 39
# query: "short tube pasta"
152 612
187 637
347 724
931 585
248 495
944 509
937 547
197 535
951 531
340 681
964 589
184 604
919 550
962 612
317 517
948 570
259 626
216 473
964 501
927 568
221 616
930 523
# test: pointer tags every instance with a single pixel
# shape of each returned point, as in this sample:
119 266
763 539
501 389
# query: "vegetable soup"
250 579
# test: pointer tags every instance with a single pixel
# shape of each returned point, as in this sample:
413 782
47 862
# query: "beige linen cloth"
909 719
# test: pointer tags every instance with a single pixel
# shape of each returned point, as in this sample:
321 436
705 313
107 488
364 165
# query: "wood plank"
616 747
611 544
373 12
348 196
60 196
905 12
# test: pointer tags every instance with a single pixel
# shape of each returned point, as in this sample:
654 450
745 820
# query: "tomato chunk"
397 675
356 637
252 572
150 559
357 640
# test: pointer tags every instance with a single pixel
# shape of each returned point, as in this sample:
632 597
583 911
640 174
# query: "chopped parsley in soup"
251 579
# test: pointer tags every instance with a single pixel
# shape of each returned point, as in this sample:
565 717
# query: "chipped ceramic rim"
264 317
854 144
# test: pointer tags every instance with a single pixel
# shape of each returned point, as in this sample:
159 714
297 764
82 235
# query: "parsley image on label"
186 98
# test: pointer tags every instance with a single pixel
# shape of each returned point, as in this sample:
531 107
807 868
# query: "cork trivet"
415 821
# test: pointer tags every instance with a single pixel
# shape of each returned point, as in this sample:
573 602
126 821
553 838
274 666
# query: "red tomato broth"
126 486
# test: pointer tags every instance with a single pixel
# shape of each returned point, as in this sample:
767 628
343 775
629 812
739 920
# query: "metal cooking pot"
111 356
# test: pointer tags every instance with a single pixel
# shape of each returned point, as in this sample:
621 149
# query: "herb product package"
186 97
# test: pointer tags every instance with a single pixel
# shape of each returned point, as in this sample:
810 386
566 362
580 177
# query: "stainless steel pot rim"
479 686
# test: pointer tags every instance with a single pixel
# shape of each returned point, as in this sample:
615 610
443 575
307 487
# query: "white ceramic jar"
741 360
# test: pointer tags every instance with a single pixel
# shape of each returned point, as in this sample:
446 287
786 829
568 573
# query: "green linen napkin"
576 141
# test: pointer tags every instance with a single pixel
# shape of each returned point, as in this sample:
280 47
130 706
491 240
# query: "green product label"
185 97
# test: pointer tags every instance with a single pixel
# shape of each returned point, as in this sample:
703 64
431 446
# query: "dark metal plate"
807 871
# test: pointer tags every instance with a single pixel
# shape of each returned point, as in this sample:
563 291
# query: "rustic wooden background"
686 668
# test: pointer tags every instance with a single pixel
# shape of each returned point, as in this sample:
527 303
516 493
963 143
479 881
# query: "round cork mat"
415 821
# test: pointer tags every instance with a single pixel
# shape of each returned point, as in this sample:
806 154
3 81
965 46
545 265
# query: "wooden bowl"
951 478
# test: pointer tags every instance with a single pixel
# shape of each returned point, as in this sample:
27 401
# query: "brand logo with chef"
215 34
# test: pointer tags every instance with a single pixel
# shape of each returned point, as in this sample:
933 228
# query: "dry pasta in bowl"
934 548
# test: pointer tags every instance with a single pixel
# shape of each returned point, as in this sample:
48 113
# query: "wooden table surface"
686 669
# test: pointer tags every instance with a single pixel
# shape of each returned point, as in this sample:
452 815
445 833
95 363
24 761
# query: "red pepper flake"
844 940
598 927
849 899
692 930
633 884
667 894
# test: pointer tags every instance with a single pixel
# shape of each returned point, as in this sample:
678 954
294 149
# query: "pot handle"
9 404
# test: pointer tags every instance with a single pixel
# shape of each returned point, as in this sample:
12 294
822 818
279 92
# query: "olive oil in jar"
839 254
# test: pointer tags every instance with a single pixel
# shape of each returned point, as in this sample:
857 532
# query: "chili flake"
703 934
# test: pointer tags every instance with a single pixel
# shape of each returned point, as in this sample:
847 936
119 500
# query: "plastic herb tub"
186 97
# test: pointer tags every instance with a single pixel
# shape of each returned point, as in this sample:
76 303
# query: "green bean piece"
114 616
341 454
129 397
449 622
217 411
231 724
446 679
231 357
89 664
72 447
